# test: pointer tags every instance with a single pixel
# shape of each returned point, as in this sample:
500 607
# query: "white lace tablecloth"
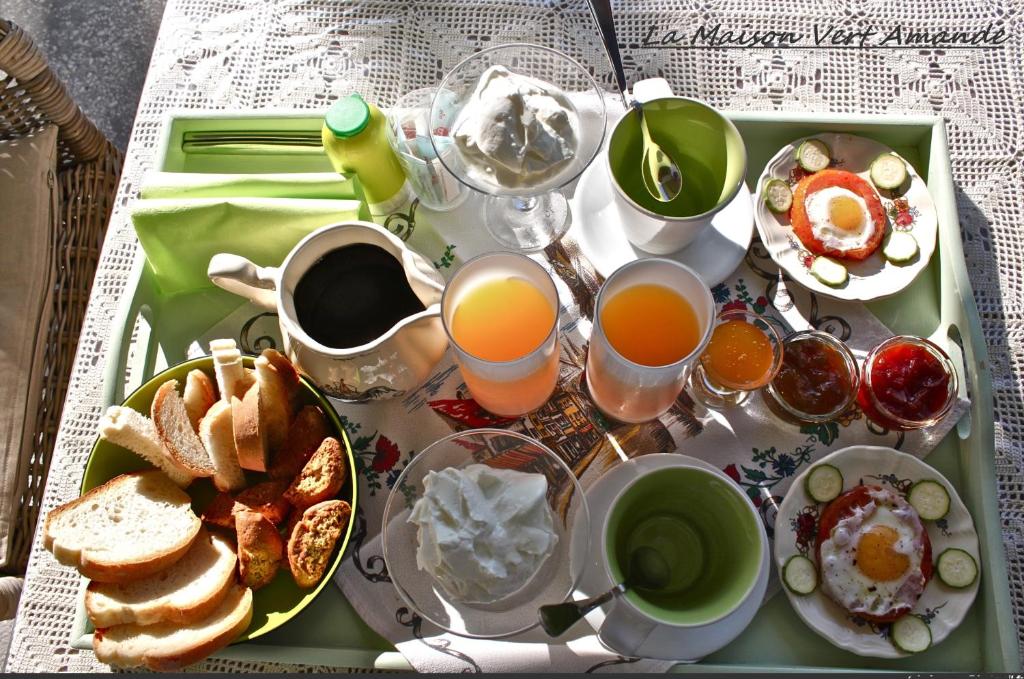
243 54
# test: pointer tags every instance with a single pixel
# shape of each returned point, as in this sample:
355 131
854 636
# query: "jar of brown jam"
817 381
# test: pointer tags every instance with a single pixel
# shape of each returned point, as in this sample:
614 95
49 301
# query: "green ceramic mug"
706 146
710 536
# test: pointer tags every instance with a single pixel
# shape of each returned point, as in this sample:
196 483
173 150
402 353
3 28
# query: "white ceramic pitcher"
391 365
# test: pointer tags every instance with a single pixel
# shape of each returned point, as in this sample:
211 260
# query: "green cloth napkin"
180 235
296 185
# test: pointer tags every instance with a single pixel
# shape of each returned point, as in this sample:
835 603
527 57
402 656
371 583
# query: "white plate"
665 642
596 227
942 607
874 277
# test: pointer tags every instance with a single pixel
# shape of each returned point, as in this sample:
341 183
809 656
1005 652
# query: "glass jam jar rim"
938 353
848 359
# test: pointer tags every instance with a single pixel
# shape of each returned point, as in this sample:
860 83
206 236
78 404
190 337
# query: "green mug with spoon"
705 146
709 536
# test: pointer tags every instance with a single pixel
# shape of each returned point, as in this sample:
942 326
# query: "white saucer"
665 642
595 226
942 608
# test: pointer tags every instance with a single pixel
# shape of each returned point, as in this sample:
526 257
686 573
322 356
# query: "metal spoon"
648 571
660 173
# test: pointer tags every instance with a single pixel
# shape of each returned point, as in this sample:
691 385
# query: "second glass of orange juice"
500 311
652 318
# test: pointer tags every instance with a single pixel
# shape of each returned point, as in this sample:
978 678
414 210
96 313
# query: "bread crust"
313 540
102 616
94 566
168 659
307 431
260 549
322 477
199 396
250 439
167 391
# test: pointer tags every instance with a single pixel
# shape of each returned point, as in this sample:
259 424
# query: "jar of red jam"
907 383
817 381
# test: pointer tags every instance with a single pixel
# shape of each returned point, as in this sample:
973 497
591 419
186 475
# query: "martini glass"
523 212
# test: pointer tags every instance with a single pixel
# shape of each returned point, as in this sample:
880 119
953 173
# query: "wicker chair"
31 95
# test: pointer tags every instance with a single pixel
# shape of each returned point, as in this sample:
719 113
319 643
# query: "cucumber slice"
888 171
957 568
829 272
900 247
778 196
800 574
813 155
911 634
824 483
930 499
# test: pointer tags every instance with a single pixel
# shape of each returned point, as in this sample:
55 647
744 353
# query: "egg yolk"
877 557
845 213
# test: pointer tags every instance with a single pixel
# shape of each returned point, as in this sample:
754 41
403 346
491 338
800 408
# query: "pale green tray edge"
966 455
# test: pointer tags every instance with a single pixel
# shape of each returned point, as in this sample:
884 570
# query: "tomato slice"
844 506
843 179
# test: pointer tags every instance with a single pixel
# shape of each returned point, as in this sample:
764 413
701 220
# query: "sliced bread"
322 477
249 430
199 396
232 378
217 433
184 593
260 549
170 646
279 385
132 430
313 538
130 527
175 430
307 430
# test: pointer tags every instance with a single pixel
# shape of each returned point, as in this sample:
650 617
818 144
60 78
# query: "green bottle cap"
348 116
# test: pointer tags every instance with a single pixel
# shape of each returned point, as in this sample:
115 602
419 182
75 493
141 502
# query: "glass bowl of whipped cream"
477 530
519 123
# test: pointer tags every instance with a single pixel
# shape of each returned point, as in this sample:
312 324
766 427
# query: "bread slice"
132 430
307 431
322 477
312 541
216 431
250 431
175 430
130 527
184 593
170 646
199 396
279 386
232 378
265 498
260 549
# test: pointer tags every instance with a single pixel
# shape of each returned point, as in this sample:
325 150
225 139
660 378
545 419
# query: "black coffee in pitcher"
353 295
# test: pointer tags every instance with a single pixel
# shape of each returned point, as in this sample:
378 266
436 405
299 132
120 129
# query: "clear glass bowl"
557 576
530 216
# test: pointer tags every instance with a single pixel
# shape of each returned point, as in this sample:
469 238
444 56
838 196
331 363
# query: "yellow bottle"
354 138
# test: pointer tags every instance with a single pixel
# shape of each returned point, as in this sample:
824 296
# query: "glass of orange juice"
500 311
652 319
744 354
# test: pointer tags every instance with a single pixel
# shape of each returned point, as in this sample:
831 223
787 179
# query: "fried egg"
840 219
871 563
